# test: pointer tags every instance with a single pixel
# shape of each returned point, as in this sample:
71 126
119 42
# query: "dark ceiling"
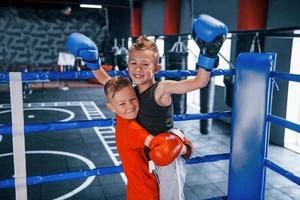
63 3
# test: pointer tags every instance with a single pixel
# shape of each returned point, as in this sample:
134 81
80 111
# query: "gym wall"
34 37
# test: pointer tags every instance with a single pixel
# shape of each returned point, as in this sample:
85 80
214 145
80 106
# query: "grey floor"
204 181
210 179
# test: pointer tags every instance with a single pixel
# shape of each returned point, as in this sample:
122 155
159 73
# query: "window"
193 97
160 45
129 42
225 51
292 138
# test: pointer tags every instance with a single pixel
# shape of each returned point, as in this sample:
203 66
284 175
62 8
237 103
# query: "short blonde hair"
114 85
143 43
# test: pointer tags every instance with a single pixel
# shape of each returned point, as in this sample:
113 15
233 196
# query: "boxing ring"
250 123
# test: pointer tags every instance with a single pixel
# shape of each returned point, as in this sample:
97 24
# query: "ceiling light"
90 6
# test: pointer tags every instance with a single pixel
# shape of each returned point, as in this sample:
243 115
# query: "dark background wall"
34 37
225 10
153 17
283 13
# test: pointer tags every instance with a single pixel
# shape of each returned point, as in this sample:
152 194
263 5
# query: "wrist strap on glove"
93 65
189 148
177 132
206 62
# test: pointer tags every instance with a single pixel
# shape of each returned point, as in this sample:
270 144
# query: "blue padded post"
249 127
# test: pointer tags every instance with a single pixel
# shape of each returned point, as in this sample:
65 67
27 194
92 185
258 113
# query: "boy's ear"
110 107
157 67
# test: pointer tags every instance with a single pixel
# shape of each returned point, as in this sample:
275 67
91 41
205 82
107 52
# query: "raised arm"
168 87
209 34
82 46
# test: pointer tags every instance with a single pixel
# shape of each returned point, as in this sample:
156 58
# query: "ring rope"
39 76
287 174
34 180
284 123
56 126
286 76
81 75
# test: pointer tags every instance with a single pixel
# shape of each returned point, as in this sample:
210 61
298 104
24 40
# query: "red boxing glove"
165 148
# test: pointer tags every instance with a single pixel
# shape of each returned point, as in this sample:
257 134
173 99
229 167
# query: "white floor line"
48 104
112 155
104 128
109 136
111 142
88 162
87 107
106 132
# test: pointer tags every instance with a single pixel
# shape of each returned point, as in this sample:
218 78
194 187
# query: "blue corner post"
249 126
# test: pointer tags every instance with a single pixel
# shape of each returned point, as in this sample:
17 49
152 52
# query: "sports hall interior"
32 39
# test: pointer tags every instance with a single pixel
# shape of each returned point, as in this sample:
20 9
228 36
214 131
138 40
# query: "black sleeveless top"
153 117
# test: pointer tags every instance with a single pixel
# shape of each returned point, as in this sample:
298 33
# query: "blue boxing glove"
209 33
82 46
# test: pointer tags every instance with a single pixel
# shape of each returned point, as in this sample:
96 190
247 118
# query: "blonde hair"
114 85
143 43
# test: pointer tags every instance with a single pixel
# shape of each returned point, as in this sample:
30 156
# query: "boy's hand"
209 33
81 46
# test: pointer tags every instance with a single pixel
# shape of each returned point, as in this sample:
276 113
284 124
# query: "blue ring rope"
287 174
81 75
28 76
208 158
286 76
284 123
34 180
56 126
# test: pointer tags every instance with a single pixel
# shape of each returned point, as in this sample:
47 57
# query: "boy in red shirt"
131 138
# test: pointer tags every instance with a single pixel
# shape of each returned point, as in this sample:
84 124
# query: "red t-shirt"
130 138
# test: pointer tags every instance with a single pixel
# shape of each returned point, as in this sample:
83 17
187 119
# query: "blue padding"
249 127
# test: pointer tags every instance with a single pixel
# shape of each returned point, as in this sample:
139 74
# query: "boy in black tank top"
155 97
161 117
156 108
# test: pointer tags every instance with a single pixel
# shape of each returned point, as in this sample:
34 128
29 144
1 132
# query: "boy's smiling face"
124 103
142 66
